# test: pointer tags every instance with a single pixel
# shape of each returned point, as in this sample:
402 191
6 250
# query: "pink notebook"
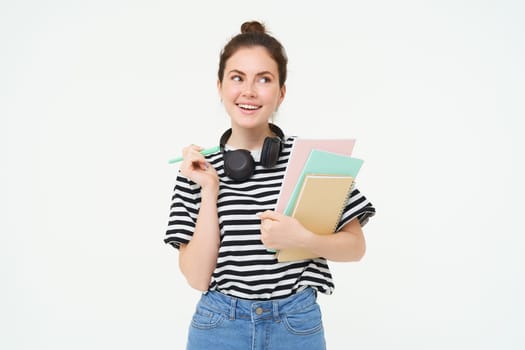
300 152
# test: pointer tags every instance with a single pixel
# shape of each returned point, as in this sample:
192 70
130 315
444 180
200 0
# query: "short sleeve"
357 206
184 208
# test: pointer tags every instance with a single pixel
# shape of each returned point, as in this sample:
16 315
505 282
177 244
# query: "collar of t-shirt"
256 154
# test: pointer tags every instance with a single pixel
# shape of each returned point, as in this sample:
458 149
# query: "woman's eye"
264 80
236 78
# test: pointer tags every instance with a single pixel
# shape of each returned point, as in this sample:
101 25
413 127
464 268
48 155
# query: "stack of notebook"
316 187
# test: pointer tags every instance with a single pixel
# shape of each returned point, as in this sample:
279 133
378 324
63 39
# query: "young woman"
222 219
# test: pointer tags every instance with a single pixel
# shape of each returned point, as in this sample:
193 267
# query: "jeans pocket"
304 322
204 318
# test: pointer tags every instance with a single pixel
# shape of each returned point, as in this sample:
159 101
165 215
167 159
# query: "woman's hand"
195 167
279 231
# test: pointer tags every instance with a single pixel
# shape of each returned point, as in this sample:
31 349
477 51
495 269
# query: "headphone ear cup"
270 152
238 164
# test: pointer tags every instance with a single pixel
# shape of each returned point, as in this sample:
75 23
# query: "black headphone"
239 164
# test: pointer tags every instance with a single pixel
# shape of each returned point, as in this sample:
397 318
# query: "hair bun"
252 27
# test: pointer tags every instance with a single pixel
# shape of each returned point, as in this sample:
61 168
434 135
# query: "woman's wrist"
210 192
307 240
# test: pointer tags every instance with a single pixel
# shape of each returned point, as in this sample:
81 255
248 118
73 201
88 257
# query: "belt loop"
233 307
276 311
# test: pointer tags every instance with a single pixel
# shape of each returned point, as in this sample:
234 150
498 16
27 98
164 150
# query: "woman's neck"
250 139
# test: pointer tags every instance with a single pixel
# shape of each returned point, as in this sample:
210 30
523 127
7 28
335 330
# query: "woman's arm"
347 245
280 232
198 258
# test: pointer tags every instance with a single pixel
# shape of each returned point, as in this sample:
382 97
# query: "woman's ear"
283 93
219 85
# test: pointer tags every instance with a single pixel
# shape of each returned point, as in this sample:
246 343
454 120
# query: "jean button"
259 310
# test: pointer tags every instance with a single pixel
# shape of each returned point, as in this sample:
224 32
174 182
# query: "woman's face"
250 88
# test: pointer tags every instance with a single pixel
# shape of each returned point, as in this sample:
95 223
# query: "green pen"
204 152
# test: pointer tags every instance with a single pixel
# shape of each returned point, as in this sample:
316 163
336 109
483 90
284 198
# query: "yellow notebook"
319 206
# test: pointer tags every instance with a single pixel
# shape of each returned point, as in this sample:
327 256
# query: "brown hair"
254 34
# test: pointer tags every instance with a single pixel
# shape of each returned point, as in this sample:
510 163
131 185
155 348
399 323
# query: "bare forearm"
198 258
346 245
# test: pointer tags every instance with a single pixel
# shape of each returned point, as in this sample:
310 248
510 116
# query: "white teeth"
248 106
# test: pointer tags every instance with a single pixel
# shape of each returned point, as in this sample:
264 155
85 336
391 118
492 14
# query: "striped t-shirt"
245 268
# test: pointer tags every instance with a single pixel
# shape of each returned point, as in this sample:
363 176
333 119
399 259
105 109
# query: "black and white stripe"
245 268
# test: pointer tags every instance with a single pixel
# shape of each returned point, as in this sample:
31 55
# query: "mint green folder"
323 162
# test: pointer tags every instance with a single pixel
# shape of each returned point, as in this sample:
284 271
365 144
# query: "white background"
96 96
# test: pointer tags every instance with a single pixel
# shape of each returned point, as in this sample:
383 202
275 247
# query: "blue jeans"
224 322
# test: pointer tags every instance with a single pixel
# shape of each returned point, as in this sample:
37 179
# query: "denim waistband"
254 310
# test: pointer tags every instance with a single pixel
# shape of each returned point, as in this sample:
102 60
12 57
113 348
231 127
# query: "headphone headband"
226 135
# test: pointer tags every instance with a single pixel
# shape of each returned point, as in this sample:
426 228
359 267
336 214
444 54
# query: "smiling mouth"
248 107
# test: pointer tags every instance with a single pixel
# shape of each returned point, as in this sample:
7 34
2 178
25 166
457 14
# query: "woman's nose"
249 90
